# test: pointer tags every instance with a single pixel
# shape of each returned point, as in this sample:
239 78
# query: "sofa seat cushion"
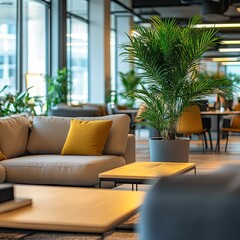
59 169
48 134
14 132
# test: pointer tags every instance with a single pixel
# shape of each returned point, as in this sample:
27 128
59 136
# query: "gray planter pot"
169 150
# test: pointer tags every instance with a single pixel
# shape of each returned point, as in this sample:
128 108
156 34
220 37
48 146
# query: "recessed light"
228 59
218 25
230 63
230 42
229 49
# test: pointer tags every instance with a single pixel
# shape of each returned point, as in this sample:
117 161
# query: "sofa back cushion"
14 132
48 134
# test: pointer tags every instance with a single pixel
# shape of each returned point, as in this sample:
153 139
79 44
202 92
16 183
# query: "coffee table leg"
133 187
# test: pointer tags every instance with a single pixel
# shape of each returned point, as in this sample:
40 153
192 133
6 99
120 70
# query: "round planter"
169 150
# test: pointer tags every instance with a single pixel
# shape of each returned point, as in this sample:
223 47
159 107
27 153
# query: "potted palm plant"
169 58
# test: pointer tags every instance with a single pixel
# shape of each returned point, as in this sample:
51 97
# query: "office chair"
234 128
191 123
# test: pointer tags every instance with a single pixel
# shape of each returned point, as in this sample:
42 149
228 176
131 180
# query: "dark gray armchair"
191 207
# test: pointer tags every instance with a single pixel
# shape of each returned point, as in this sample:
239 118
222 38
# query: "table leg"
217 148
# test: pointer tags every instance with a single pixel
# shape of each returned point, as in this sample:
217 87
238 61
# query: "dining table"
219 115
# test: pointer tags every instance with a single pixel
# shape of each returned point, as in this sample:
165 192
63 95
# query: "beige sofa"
33 153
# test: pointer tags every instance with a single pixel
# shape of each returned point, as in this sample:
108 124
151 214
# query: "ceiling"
184 9
211 11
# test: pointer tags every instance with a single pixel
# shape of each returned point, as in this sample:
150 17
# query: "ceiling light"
230 42
229 49
224 59
230 63
218 25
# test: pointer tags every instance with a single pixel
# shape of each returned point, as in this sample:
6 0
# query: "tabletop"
220 113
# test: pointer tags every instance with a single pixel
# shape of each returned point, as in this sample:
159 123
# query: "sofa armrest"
130 153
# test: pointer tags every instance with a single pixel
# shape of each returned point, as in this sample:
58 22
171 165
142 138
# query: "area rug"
126 230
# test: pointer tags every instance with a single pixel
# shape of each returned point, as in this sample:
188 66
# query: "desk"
130 112
219 117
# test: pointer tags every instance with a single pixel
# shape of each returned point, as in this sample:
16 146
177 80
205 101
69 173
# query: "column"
58 35
99 50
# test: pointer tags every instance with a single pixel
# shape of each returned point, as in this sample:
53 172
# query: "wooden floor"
207 162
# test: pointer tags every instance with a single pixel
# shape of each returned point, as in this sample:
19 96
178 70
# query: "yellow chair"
191 123
234 128
237 107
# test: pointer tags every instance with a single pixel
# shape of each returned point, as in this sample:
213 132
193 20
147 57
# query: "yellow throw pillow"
86 137
2 156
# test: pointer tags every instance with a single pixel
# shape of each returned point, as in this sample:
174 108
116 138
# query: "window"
113 59
12 60
77 49
35 44
78 8
29 40
234 72
8 19
233 69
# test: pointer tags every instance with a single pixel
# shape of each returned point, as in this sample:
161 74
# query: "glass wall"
77 49
234 73
35 45
8 41
23 45
233 69
113 59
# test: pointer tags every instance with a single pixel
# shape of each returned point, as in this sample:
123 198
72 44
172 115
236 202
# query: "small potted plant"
21 102
58 88
169 58
130 82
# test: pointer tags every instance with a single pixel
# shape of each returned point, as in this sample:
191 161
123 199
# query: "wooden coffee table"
142 172
72 209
